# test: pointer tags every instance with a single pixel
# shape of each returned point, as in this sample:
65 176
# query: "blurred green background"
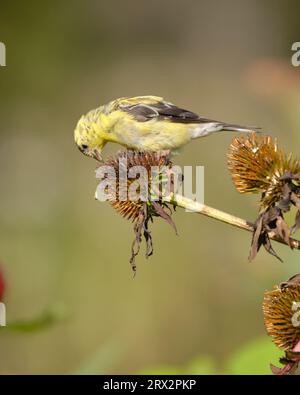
195 306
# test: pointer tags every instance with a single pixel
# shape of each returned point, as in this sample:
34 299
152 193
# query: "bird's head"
88 136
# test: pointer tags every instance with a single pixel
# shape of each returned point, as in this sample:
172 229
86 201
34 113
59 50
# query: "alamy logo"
2 314
2 55
148 185
296 56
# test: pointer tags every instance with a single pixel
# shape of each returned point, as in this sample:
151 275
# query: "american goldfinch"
143 123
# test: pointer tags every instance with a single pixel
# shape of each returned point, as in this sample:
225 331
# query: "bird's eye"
82 148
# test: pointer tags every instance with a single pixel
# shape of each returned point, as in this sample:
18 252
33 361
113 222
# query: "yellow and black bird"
144 123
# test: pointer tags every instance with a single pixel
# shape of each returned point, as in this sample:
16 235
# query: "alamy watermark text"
296 55
2 314
2 54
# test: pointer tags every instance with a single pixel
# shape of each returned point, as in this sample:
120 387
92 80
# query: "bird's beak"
96 154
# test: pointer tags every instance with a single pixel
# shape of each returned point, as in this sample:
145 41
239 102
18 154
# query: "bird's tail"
240 129
208 128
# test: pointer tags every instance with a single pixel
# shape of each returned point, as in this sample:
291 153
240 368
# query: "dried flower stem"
211 212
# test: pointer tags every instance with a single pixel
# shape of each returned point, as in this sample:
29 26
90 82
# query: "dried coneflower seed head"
135 181
122 163
281 308
258 165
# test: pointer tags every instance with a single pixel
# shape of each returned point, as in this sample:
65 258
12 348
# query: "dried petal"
270 220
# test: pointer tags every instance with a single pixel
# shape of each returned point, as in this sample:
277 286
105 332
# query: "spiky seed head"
140 210
131 209
257 164
280 307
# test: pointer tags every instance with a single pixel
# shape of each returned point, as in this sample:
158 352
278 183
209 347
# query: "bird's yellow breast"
151 135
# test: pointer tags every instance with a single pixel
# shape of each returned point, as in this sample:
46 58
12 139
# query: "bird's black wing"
162 110
168 111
